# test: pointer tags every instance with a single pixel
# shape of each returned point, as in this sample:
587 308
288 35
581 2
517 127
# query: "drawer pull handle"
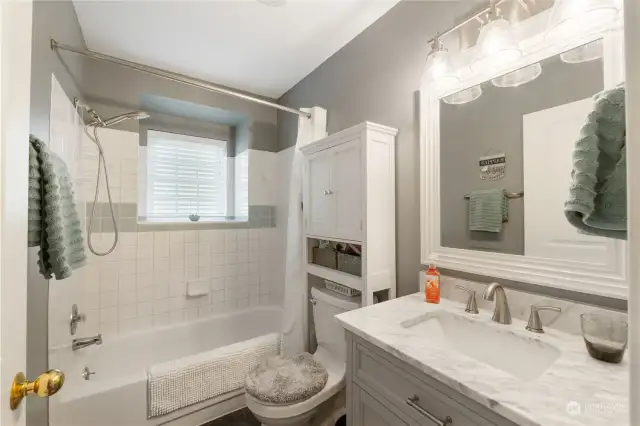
413 403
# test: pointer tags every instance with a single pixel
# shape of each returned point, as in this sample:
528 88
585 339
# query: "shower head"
135 115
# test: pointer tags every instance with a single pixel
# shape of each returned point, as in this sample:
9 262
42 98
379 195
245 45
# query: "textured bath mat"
186 381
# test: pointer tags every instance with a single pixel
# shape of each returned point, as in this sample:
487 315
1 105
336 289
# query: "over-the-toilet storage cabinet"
349 196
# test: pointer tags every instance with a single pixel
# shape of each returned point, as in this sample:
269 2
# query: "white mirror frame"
609 281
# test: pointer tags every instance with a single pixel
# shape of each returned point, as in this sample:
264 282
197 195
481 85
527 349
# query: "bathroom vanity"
414 363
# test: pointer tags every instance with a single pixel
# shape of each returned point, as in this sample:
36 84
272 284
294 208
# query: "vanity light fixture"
438 68
570 17
518 77
496 44
585 53
464 96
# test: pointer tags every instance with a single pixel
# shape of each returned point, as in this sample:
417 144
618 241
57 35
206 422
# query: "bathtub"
117 393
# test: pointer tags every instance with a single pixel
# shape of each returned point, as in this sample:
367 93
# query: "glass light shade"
438 69
518 77
464 96
586 53
570 17
496 46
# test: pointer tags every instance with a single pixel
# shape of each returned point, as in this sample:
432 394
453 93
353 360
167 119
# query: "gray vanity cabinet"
367 410
384 390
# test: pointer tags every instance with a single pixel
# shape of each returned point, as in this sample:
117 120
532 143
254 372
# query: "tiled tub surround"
142 284
598 390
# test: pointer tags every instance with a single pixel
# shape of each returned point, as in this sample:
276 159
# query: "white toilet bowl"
331 353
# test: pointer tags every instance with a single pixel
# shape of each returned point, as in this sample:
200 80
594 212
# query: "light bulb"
496 46
464 96
585 53
518 77
571 17
438 68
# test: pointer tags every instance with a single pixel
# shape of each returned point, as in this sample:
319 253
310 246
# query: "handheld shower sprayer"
98 122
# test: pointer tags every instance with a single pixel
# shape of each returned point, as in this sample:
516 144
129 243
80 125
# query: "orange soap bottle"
432 285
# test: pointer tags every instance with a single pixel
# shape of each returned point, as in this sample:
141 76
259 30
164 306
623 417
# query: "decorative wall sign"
492 167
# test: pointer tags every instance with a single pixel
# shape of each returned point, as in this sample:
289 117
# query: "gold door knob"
45 385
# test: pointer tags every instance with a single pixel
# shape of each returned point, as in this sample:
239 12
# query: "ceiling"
259 46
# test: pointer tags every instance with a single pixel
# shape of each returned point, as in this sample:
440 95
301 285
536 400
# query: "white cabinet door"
346 190
318 202
549 137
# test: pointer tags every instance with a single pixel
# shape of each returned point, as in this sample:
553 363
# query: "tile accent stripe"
127 218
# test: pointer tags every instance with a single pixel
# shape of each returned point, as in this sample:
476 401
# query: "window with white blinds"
185 174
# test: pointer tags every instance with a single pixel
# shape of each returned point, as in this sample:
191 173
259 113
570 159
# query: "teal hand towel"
597 203
488 209
54 223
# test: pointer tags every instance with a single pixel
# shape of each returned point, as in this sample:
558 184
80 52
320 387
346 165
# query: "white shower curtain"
294 313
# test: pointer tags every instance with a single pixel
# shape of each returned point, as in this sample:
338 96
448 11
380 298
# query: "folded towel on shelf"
186 381
54 223
488 209
597 203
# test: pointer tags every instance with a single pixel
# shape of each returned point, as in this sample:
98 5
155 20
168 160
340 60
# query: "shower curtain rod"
174 76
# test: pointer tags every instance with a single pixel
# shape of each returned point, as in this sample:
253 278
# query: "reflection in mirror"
517 137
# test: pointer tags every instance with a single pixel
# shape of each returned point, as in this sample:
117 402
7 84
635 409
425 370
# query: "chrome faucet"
83 342
501 314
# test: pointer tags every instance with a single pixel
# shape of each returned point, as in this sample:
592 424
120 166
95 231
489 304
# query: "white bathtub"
117 393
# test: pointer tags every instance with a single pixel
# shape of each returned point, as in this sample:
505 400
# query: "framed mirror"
511 131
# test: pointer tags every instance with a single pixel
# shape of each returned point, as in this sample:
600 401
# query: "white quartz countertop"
575 391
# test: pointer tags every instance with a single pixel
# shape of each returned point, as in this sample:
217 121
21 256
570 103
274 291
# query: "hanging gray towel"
488 209
54 224
597 203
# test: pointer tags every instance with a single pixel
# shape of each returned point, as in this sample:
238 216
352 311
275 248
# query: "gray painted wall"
113 90
55 19
494 123
376 77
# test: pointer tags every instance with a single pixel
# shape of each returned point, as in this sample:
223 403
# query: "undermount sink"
522 357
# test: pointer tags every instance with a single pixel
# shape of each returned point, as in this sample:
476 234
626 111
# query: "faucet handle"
535 325
472 305
74 319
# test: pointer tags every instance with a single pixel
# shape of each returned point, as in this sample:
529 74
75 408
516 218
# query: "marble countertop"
575 391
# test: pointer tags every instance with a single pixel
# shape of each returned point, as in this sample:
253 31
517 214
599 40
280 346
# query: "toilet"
331 353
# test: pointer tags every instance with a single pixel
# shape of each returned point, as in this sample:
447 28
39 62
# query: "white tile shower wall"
65 139
142 284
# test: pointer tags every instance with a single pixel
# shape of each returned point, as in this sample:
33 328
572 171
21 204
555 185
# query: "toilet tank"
329 333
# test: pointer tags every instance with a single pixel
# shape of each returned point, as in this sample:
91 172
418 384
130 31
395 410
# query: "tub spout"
83 342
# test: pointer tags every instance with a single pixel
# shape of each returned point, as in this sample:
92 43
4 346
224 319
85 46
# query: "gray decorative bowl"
194 217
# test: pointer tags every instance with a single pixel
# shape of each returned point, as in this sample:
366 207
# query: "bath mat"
287 380
186 381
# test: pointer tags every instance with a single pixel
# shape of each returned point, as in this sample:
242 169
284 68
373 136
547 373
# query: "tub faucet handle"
86 373
74 319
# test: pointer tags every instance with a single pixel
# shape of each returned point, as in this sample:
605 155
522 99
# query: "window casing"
185 175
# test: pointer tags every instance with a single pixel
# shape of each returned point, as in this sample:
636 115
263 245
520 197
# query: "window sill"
147 224
187 221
